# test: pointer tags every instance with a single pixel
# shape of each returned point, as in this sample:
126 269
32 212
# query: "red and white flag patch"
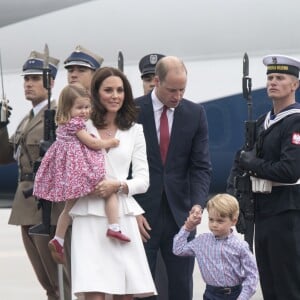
296 138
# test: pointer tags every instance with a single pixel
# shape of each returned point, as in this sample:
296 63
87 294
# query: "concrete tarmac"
18 281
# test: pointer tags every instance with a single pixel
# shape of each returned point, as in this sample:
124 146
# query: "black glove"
247 158
4 123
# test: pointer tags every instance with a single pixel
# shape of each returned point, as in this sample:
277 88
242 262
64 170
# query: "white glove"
261 185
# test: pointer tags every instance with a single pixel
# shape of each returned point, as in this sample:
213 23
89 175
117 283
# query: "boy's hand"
194 218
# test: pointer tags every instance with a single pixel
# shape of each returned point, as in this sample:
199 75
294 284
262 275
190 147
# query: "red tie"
164 134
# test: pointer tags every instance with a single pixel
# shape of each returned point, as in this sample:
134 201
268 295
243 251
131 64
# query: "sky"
192 30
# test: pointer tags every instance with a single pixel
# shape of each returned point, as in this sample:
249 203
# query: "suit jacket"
28 135
186 175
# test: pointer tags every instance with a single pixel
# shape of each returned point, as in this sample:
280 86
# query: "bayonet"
47 74
245 65
247 84
120 61
3 100
46 59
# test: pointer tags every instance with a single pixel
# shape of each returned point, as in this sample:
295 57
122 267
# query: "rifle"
49 138
4 114
242 183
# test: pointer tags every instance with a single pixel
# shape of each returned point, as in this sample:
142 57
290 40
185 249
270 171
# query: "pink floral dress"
69 168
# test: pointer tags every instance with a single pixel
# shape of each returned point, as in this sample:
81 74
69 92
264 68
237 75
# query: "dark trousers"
277 248
179 269
161 278
218 293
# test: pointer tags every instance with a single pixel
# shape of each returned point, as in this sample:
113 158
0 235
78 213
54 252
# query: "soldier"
81 65
24 147
147 68
275 177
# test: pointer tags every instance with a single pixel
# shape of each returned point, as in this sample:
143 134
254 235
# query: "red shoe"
117 235
57 251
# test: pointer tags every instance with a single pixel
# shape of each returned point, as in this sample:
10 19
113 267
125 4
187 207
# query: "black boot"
43 228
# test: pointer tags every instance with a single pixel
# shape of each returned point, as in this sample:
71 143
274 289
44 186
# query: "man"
274 166
147 68
81 66
24 147
176 135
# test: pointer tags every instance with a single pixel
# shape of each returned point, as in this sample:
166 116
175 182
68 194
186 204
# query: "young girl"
226 263
73 165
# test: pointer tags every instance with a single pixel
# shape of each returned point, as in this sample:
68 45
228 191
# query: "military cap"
83 57
147 63
277 63
35 63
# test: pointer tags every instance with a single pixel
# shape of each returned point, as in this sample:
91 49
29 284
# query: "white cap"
277 63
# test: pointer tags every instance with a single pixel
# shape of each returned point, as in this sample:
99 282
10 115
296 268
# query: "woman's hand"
106 188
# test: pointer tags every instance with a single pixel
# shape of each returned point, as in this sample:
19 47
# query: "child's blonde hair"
224 204
67 99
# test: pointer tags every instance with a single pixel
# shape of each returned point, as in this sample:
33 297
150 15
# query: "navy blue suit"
174 187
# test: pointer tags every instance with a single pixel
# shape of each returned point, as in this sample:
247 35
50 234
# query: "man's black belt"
27 177
223 290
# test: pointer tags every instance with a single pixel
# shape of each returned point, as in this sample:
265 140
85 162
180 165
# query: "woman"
100 265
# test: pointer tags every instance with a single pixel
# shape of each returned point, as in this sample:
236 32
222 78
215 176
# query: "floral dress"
69 168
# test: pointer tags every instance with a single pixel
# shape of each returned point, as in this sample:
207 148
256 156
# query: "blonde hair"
67 99
224 204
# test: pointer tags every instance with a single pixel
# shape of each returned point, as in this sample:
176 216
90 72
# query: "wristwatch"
121 187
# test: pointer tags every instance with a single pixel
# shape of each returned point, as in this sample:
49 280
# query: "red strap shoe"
117 235
57 251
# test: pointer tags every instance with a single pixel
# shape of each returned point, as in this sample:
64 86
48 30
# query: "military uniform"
274 166
23 146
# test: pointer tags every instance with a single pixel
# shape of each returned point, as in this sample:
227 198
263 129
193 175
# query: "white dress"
102 264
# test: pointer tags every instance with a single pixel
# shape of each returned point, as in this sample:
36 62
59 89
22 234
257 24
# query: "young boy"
226 264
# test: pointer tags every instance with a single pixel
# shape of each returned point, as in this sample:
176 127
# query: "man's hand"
8 112
194 218
144 227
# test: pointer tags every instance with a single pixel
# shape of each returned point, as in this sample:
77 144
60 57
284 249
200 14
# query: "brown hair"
224 204
67 99
127 115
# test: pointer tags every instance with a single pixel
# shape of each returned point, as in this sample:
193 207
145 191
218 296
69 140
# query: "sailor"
274 165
